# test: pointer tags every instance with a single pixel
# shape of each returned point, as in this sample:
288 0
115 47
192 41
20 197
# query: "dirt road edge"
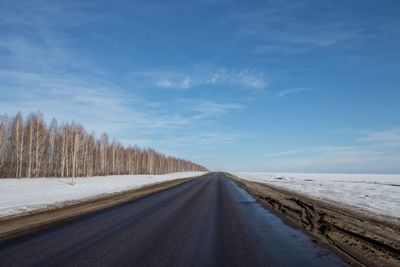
15 225
358 238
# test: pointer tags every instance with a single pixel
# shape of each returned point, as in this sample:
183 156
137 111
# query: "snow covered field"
21 195
378 193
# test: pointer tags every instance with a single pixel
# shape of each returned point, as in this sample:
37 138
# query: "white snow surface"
28 194
377 193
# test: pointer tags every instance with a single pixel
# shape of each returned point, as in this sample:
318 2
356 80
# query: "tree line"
30 148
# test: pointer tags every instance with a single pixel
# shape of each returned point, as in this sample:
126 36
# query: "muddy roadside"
359 238
15 225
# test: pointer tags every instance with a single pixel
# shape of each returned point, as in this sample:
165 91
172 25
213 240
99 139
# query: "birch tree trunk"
32 149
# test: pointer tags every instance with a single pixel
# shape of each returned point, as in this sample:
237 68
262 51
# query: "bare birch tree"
31 149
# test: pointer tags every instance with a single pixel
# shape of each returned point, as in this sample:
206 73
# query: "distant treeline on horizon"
30 148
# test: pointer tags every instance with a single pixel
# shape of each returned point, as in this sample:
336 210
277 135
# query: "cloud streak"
284 28
214 76
390 137
42 71
286 92
182 83
374 151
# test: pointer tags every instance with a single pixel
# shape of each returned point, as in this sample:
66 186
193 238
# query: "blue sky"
297 86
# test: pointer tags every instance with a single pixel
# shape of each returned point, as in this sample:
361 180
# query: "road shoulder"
360 239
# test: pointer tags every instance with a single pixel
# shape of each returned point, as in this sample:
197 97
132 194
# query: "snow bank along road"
366 239
208 221
377 193
18 196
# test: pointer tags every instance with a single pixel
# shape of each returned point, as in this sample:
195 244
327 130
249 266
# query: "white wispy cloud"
99 106
281 26
388 137
246 78
372 151
102 107
41 70
203 76
209 109
202 141
184 83
286 92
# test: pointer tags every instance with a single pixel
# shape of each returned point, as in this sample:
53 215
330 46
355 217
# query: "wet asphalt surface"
208 221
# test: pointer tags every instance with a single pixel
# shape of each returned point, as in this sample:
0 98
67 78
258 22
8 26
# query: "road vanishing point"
207 221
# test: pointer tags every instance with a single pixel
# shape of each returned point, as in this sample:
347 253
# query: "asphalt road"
208 221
